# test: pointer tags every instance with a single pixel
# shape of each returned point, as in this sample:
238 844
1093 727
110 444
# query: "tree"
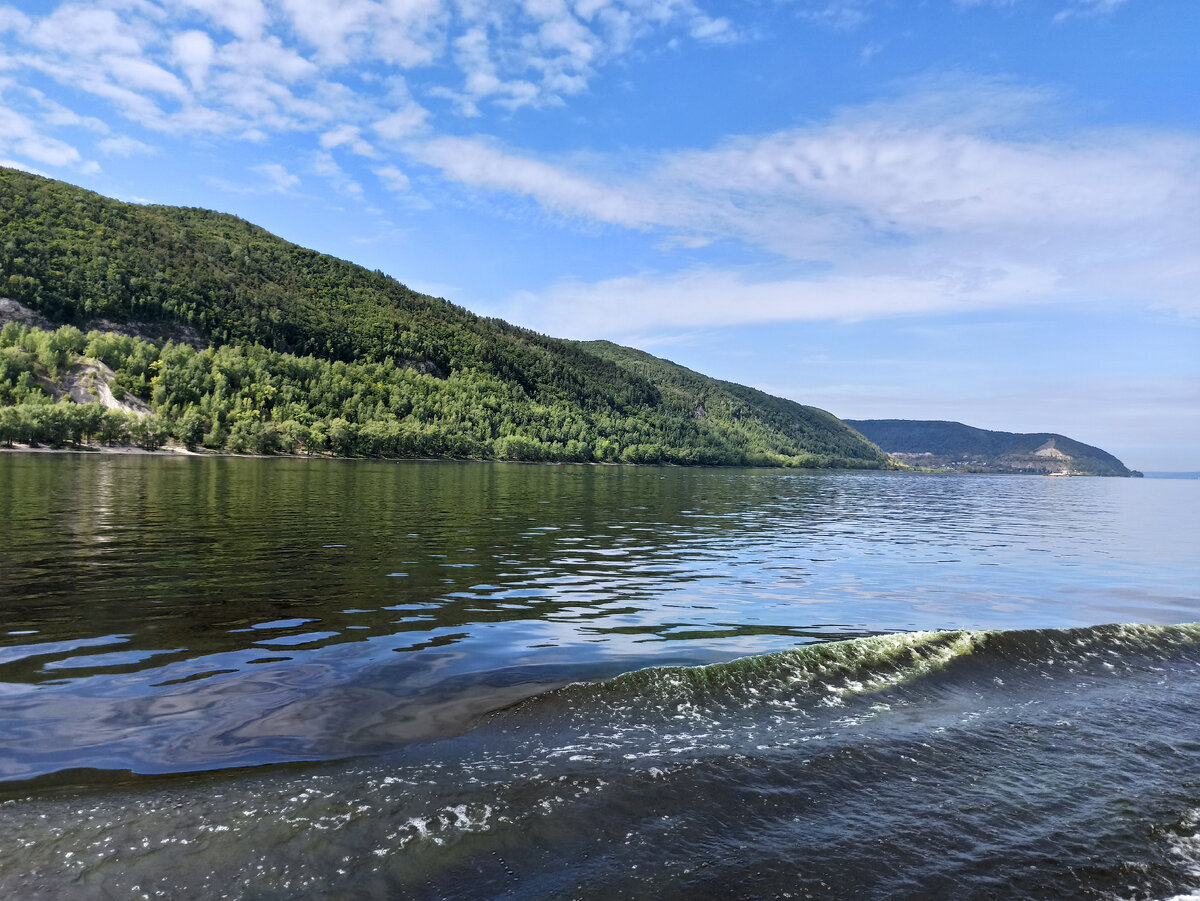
189 429
85 421
114 427
342 437
292 434
149 432
10 425
52 423
318 438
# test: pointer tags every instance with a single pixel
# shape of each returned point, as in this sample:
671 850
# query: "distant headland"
938 444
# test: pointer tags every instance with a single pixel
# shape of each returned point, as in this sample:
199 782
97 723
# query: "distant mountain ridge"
939 444
240 340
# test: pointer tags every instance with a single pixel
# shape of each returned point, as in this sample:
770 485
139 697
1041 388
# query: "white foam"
1187 847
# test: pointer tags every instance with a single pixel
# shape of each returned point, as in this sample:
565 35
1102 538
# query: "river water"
285 678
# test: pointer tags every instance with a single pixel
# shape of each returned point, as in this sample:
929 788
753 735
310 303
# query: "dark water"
238 678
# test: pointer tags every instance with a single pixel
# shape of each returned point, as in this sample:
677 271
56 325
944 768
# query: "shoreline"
175 450
109 450
129 450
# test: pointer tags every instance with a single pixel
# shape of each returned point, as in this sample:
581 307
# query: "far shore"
104 449
178 450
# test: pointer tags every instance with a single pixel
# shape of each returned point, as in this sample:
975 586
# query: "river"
248 678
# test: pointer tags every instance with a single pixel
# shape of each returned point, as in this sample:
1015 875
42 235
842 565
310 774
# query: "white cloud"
895 214
245 19
393 179
82 31
13 20
618 308
408 120
326 166
690 242
21 136
840 15
59 116
193 52
138 74
539 52
15 164
131 104
884 177
336 69
278 178
122 145
266 58
399 32
200 119
478 164
706 29
1088 8
412 33
348 135
330 25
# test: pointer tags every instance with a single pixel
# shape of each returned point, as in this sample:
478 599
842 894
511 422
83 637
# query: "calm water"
421 664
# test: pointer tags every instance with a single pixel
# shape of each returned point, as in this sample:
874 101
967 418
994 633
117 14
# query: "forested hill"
280 347
783 426
941 444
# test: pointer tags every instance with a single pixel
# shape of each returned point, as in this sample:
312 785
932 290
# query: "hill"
952 445
782 426
240 340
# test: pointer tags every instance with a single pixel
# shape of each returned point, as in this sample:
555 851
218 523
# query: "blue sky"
980 210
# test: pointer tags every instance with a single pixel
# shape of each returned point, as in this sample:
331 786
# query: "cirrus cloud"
877 212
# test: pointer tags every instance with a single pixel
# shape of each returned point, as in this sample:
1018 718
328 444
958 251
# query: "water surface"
162 616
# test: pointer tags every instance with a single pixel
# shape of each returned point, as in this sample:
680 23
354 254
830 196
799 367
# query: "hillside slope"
942 444
264 333
782 426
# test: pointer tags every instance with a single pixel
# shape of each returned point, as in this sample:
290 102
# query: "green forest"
282 349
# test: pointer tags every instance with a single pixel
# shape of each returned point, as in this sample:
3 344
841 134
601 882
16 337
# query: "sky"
978 210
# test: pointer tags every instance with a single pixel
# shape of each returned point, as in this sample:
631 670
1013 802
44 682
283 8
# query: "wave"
776 699
829 675
911 765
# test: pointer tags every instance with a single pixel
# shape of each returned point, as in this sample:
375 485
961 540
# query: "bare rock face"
14 311
1049 450
90 382
155 332
426 367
